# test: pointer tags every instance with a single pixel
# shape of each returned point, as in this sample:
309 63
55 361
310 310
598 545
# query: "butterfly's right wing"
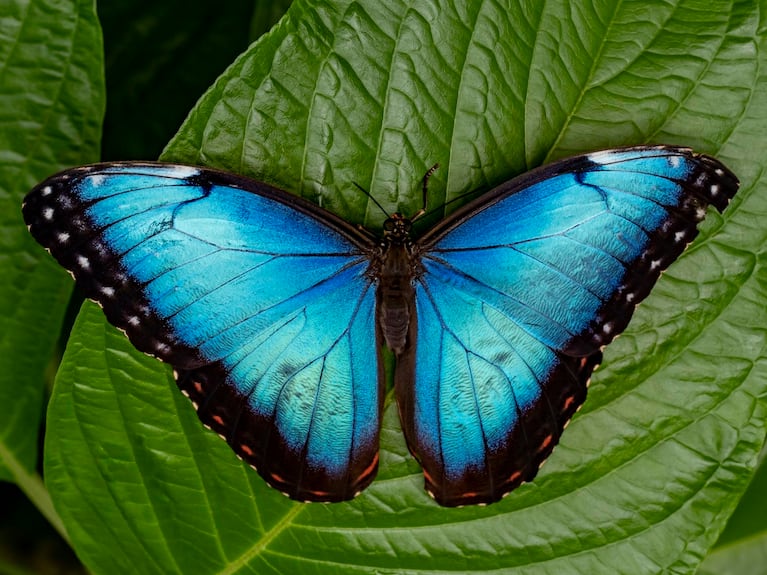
517 294
259 300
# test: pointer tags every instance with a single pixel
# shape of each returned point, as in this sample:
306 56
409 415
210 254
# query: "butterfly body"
395 276
273 311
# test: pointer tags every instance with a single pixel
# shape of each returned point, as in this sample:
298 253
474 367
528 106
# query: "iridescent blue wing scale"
518 292
260 300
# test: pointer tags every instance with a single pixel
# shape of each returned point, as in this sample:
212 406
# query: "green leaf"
375 93
51 102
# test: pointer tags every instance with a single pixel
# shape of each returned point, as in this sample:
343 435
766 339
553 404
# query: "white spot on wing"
63 237
46 191
182 171
108 291
160 347
48 213
674 161
599 157
83 262
714 190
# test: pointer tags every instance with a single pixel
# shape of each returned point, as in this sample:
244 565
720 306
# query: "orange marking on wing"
218 419
370 468
319 493
545 443
245 448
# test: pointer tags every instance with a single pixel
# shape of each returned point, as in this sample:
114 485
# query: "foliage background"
649 471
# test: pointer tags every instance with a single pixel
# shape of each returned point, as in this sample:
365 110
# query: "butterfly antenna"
458 198
425 188
426 177
369 195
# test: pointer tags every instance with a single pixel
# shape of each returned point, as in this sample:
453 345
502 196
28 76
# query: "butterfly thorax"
396 294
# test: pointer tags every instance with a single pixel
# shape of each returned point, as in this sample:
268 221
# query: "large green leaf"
375 93
51 103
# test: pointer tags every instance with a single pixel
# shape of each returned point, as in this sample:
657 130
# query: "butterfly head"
397 229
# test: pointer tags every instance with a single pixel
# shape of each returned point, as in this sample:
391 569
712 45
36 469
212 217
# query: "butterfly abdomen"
396 296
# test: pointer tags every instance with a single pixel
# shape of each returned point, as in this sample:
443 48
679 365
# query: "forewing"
258 299
519 292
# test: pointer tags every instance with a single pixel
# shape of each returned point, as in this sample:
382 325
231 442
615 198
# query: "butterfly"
274 312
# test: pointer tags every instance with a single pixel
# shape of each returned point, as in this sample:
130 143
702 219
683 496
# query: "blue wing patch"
263 307
517 294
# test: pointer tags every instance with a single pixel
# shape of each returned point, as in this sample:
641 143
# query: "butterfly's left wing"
260 300
516 297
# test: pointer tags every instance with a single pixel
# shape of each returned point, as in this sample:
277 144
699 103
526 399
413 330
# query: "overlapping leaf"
742 548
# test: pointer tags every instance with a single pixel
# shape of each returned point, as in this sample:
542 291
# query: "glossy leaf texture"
51 103
375 93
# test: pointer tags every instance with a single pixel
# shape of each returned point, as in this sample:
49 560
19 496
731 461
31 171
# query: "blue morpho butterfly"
273 311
